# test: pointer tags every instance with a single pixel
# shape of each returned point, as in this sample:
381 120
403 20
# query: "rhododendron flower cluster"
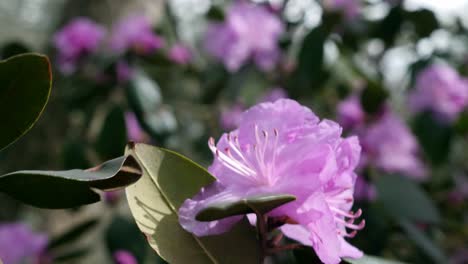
249 32
284 148
18 244
76 40
387 142
135 33
439 88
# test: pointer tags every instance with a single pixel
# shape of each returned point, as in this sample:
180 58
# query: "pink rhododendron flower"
350 113
230 118
134 131
180 54
135 33
18 244
283 148
75 40
364 191
389 145
441 89
249 32
124 257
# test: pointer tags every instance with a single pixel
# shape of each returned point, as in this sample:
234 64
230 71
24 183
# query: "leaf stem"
262 235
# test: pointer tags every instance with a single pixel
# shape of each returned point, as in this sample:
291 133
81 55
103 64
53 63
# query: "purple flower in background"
135 33
350 8
124 72
249 32
75 40
180 54
124 257
441 89
273 153
460 191
273 95
350 113
134 131
364 191
230 118
389 145
18 244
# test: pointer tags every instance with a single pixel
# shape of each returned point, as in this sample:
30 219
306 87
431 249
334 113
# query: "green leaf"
371 260
262 204
424 21
73 234
71 188
71 255
373 97
434 136
145 98
168 180
423 242
123 234
113 135
404 199
25 84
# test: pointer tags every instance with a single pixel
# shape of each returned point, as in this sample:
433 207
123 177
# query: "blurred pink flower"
134 131
124 257
124 72
180 54
249 32
441 89
273 95
78 38
135 33
18 244
364 191
350 113
230 118
283 148
389 145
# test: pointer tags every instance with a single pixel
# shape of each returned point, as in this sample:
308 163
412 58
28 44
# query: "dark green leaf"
373 97
145 99
73 234
310 73
168 180
113 135
424 21
72 188
123 234
423 242
388 28
25 84
404 199
434 136
262 204
12 49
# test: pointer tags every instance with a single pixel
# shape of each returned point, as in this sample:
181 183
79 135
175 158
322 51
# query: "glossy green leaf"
71 188
262 204
168 180
25 84
423 242
113 135
145 98
371 260
404 199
